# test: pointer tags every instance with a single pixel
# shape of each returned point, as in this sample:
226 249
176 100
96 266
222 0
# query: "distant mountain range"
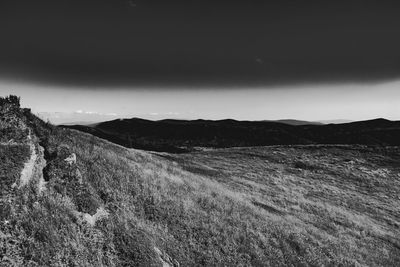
298 122
184 135
86 117
78 117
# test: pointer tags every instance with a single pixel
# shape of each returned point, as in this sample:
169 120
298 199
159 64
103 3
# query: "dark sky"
190 43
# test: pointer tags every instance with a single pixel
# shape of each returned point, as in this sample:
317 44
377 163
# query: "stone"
71 159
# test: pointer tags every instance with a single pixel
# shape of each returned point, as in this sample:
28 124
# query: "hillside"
184 136
89 202
298 122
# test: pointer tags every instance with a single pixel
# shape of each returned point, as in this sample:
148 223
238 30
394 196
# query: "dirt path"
34 166
40 165
27 171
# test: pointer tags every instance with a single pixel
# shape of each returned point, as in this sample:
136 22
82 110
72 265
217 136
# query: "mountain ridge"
182 135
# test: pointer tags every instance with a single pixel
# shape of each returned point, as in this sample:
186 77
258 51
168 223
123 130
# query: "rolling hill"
69 198
298 122
183 136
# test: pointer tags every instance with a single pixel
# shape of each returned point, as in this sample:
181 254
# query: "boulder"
71 159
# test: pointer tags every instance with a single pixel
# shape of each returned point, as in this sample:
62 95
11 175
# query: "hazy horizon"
311 103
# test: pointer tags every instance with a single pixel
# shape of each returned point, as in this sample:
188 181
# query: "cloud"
187 44
82 112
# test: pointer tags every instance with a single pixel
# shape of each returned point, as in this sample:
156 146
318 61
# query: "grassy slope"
14 151
260 206
12 158
342 203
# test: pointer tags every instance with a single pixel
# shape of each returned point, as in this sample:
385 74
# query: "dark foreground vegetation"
266 206
183 136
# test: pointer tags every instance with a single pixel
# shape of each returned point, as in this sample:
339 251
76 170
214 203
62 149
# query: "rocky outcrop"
63 174
33 168
28 170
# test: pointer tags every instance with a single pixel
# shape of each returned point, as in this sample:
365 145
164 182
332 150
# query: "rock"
100 214
165 259
71 159
78 176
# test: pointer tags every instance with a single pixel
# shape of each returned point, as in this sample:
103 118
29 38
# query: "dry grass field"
342 201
